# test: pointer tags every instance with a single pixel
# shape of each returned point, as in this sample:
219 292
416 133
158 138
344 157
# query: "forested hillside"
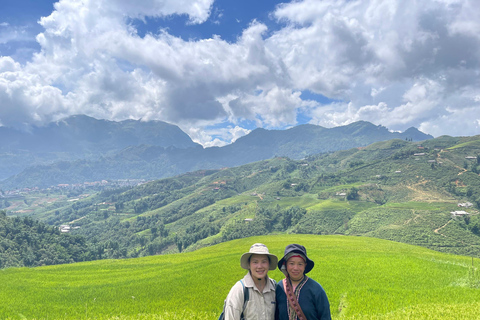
396 190
30 243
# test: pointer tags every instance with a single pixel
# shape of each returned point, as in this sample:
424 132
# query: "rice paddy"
365 278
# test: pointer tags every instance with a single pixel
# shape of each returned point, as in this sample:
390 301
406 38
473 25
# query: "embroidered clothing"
311 298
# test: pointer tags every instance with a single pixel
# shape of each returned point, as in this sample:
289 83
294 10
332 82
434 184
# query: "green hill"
395 190
365 278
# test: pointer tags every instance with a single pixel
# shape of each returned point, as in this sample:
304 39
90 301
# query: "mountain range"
80 148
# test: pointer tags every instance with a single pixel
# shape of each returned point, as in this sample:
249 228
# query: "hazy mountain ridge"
81 137
153 150
83 134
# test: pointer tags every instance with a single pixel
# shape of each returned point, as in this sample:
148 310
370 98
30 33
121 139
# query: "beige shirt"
260 305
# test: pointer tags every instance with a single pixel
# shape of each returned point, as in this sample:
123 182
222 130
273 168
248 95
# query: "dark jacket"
313 301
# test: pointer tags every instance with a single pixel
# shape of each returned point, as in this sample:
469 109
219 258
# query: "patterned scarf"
294 309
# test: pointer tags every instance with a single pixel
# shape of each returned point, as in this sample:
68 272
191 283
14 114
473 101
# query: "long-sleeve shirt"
312 299
260 305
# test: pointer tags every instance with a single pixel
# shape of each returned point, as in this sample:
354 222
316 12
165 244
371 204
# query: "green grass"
447 206
465 144
365 278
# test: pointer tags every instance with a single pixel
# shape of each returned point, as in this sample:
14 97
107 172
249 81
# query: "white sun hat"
258 248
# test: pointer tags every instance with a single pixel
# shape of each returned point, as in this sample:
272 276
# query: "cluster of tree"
267 220
112 238
196 232
294 219
25 242
472 223
4 204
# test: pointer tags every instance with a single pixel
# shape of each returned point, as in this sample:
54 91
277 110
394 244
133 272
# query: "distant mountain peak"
155 149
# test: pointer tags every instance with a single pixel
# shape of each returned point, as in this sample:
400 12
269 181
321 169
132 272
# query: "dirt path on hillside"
462 170
414 219
421 195
437 231
72 222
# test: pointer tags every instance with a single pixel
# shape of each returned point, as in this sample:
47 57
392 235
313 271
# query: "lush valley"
396 190
365 278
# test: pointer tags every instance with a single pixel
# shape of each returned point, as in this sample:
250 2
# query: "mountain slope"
82 137
153 162
394 189
82 134
25 242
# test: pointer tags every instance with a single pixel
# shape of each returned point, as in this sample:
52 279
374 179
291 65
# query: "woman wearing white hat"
260 304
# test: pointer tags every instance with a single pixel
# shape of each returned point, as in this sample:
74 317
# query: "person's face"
296 268
259 265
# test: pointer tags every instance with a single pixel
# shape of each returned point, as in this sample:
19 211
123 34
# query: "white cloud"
391 62
25 99
7 64
217 137
395 63
9 33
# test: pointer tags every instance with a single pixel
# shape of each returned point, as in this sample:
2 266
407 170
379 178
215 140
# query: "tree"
179 245
119 206
352 194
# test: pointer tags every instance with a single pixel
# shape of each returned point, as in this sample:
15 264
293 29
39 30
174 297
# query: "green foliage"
352 194
327 221
25 242
387 190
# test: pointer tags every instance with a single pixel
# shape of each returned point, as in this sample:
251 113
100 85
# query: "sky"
219 69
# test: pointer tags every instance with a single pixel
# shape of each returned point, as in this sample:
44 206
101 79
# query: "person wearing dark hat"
298 296
261 289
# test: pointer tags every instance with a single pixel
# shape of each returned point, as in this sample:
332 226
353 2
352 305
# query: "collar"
248 280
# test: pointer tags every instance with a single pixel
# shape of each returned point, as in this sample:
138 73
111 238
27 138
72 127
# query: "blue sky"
228 20
219 69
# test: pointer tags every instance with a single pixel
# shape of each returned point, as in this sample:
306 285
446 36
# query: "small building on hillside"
465 204
459 213
64 228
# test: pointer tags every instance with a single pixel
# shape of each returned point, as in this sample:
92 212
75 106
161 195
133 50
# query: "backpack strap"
274 283
246 296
